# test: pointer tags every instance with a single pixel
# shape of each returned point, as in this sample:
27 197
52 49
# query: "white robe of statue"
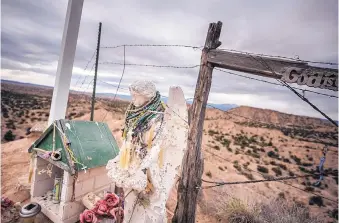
147 181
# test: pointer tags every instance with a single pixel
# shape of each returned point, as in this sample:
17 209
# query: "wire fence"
153 45
215 183
124 64
296 58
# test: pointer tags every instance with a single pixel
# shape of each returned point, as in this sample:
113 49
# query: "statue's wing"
175 137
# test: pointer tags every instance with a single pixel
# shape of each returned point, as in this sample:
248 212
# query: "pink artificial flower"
112 200
101 207
118 214
88 216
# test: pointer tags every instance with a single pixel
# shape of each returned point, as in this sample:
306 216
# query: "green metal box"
87 142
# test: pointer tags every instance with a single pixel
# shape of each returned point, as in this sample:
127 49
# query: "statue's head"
142 91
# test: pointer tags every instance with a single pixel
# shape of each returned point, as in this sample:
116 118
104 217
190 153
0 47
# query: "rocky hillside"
279 118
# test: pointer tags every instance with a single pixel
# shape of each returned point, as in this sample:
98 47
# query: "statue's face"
138 100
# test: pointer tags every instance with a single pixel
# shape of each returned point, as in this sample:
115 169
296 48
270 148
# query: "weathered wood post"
190 181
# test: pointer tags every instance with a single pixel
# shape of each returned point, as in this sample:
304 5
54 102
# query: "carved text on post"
311 77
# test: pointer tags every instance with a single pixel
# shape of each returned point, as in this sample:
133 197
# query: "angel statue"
154 142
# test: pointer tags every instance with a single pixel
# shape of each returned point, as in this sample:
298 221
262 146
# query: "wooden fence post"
190 181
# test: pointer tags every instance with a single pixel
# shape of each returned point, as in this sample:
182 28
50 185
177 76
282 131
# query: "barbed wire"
269 82
89 61
217 184
297 59
122 75
151 65
85 78
153 45
89 84
195 66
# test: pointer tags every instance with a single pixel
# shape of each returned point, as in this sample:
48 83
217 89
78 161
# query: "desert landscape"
242 144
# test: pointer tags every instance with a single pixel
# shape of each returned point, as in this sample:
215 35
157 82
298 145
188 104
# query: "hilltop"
242 144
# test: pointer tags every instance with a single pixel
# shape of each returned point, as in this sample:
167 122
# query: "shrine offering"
111 207
154 142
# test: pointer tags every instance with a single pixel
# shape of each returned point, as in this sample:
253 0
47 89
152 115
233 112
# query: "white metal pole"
66 60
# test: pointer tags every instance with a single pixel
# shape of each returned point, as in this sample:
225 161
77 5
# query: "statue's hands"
136 181
113 162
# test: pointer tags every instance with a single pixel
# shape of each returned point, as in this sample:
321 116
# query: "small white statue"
154 142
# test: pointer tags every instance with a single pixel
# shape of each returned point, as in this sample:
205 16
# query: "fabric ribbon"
321 167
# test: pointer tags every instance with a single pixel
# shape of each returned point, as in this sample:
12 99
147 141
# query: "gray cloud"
32 31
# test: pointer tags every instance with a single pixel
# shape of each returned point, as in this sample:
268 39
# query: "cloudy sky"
31 34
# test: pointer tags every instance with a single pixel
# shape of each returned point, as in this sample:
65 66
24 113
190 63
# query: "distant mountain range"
25 84
223 107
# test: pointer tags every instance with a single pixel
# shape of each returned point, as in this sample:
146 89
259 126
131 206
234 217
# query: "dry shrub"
81 113
237 211
233 210
279 211
262 169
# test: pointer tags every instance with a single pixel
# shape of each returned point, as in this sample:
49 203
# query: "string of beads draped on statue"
143 127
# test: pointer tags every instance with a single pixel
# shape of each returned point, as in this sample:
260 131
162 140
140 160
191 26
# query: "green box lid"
91 143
